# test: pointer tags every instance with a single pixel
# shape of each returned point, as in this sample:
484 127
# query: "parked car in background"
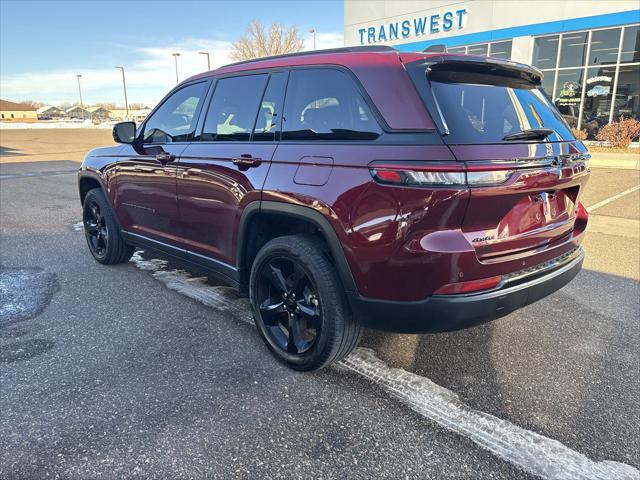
350 188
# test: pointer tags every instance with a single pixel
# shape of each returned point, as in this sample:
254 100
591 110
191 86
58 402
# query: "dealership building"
589 51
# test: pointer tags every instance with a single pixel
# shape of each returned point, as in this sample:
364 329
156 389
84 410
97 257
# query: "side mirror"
124 132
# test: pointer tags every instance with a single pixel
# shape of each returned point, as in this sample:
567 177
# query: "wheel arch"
299 213
88 180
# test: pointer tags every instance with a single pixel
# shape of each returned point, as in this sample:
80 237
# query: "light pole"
80 92
175 57
208 59
313 30
124 85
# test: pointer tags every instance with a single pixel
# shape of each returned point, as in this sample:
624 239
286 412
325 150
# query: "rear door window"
488 110
326 104
233 108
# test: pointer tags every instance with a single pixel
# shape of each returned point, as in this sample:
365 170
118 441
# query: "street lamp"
313 30
80 92
124 85
175 57
208 59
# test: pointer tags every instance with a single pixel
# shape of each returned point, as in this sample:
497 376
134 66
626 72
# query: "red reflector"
470 286
388 176
582 212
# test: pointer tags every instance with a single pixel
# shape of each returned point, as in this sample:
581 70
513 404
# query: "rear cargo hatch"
495 118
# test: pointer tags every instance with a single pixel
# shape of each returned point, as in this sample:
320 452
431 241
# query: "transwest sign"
415 27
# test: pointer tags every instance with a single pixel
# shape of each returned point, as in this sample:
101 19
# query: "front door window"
175 120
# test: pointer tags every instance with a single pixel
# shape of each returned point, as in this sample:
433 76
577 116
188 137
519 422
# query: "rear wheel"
298 305
101 230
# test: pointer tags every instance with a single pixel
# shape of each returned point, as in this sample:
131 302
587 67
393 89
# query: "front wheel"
101 230
298 305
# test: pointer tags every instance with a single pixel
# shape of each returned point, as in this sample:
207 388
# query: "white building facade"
589 51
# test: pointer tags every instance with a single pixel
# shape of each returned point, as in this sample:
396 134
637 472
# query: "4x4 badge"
483 239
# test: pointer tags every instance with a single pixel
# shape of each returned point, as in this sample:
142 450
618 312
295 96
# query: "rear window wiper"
530 134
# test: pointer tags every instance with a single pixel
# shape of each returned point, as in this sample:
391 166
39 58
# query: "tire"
101 230
298 304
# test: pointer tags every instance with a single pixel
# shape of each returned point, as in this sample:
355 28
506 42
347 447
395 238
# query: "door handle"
246 161
165 157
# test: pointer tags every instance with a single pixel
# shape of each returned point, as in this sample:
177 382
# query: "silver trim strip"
557 269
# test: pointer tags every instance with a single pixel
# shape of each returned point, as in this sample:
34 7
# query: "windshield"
487 113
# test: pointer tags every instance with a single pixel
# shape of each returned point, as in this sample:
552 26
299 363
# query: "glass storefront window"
496 49
500 50
604 47
545 52
597 99
455 49
478 49
547 83
568 93
631 45
573 49
604 63
627 100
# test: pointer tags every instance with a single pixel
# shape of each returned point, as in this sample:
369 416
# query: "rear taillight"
470 286
415 175
436 174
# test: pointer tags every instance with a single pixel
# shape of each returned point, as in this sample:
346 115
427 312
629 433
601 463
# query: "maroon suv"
409 192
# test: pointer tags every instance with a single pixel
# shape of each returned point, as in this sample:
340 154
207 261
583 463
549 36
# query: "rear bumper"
440 313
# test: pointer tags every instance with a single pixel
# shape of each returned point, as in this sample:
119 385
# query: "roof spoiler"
484 66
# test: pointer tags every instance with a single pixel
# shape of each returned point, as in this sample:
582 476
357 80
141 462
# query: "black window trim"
283 96
382 124
389 136
140 134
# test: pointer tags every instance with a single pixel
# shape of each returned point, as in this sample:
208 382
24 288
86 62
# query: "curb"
613 160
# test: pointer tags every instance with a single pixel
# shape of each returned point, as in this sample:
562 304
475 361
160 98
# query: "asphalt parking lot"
147 370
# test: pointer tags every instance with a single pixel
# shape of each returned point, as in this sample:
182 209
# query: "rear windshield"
487 112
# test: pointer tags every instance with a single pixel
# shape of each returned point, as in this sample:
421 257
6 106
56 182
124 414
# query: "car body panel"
213 192
145 192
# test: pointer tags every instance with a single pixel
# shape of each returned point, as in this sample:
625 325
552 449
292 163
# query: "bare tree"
258 42
106 105
32 103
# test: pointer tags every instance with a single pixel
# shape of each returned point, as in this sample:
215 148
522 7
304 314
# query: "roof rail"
365 48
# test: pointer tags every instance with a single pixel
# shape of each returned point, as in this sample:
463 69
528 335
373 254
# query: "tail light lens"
470 286
398 175
492 177
435 174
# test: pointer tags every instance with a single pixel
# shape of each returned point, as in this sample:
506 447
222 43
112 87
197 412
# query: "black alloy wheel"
289 305
95 226
101 230
299 305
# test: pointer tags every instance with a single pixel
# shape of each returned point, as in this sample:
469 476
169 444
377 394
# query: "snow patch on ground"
532 452
197 288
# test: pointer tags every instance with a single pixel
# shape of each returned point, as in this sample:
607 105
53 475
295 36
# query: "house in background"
99 114
77 113
135 115
50 112
17 112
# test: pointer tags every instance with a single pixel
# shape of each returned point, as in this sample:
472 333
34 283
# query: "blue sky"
44 44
